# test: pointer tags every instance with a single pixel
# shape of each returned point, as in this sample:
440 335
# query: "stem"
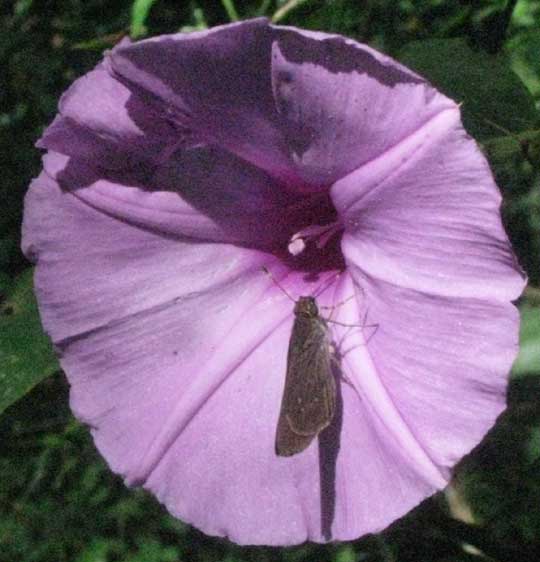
230 9
263 8
500 25
507 16
285 9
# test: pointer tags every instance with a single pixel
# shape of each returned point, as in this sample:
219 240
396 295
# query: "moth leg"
335 357
343 324
332 308
373 331
361 326
374 327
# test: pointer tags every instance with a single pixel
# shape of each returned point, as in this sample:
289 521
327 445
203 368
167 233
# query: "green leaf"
99 550
528 361
99 43
151 550
139 12
533 446
525 144
230 8
485 84
197 22
22 7
26 355
346 554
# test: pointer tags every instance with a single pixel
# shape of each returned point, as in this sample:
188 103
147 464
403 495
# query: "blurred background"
58 500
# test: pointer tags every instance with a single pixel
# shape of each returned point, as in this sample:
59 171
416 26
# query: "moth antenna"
340 303
267 271
328 283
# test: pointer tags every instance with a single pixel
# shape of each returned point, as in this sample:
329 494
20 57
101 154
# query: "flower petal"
312 108
176 357
200 193
341 103
236 486
104 121
217 83
443 364
425 216
87 257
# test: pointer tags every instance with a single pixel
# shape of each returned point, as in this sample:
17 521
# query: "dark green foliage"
58 500
489 91
26 356
528 360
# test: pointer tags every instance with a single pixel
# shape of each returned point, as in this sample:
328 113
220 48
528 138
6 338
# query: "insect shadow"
329 446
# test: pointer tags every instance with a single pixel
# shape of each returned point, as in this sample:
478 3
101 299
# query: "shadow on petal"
329 445
337 56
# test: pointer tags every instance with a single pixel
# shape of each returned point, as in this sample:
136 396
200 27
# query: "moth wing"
310 406
288 442
310 394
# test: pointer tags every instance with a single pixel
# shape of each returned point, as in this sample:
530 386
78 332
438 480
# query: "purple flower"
184 164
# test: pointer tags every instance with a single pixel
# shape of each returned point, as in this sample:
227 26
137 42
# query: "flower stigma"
319 234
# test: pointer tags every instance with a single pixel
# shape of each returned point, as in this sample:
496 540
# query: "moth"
309 395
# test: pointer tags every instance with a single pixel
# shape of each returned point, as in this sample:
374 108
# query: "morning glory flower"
181 167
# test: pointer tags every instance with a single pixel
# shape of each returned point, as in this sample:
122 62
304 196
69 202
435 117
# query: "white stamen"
319 233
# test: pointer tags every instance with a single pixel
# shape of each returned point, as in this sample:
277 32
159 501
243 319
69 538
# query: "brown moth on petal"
309 395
